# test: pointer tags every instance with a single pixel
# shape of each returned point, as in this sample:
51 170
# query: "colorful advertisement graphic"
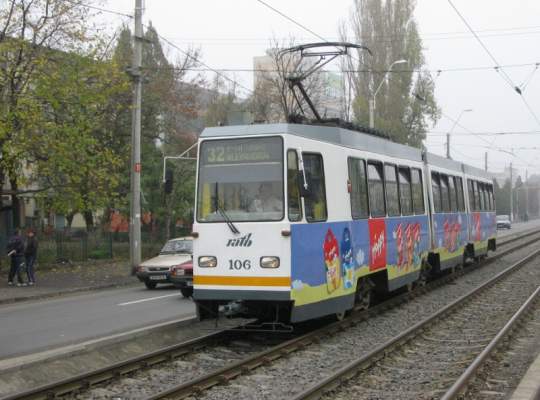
407 237
328 258
347 262
452 233
332 261
377 244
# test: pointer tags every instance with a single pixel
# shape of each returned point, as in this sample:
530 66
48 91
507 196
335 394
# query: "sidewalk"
64 279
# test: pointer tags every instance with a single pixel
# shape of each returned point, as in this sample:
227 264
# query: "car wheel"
150 285
187 292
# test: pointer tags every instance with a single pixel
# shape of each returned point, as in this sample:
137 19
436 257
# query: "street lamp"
372 100
453 126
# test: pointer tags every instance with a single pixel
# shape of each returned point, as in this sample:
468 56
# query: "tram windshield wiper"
231 226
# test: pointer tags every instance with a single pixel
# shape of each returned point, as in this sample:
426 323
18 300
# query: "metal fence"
79 245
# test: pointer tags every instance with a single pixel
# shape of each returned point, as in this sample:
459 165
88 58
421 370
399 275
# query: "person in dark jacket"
30 254
15 249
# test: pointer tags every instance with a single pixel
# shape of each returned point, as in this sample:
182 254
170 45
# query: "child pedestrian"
15 249
30 254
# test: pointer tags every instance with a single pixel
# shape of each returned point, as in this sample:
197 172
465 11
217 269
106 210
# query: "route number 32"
239 264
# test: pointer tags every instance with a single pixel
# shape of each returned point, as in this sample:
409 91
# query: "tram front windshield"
241 180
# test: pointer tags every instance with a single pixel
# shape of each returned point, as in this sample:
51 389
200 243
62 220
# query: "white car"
503 221
158 269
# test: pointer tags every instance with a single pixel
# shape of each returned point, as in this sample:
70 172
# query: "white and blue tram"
294 222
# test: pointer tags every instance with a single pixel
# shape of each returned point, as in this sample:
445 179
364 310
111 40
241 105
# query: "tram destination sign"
242 151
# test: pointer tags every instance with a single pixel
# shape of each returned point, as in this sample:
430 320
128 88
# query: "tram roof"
346 138
328 134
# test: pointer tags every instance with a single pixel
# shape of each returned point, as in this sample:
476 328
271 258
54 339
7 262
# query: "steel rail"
350 370
461 383
86 380
227 373
517 236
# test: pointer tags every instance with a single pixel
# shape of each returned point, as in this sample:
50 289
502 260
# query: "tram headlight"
207 261
270 262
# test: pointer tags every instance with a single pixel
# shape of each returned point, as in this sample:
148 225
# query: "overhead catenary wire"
381 38
438 70
501 71
83 4
502 133
207 67
292 20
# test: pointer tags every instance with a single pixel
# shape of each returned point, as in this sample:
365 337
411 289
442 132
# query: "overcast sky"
229 33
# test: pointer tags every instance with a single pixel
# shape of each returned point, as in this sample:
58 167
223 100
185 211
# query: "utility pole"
511 197
372 113
526 195
447 145
135 209
485 161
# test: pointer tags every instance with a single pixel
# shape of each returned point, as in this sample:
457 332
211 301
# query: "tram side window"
417 191
376 190
491 199
293 194
359 193
405 191
435 187
482 197
392 195
315 204
471 194
452 192
445 198
477 196
486 196
459 192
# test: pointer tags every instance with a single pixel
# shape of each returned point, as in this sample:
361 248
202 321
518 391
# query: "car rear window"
178 246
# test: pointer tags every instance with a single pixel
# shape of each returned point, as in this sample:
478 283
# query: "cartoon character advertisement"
407 237
483 226
450 233
327 259
332 261
347 262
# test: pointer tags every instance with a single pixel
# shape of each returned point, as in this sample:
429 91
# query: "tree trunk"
168 214
89 220
15 204
69 219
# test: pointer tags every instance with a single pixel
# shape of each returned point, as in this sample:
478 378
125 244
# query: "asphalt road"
34 326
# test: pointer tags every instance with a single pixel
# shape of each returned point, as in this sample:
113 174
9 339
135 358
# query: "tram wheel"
340 316
362 297
424 274
207 310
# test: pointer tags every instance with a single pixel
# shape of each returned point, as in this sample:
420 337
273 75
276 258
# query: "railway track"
439 356
244 365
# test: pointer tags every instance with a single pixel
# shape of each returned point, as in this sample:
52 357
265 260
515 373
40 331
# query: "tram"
299 221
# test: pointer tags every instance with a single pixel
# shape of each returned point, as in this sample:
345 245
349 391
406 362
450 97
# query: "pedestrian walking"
30 255
15 250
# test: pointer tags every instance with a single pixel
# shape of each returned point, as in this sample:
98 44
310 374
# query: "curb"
61 293
66 352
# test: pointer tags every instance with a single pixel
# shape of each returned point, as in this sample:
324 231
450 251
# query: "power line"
440 70
504 75
198 61
79 3
299 24
472 133
439 133
380 38
292 20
